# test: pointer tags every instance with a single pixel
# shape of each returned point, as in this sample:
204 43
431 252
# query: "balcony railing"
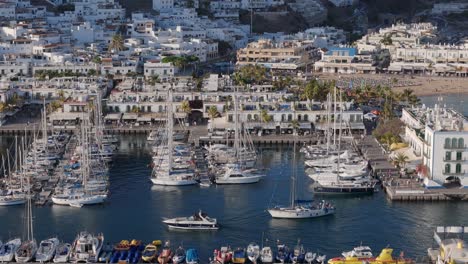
455 147
455 160
461 173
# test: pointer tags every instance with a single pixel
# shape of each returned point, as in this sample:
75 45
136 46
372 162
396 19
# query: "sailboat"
236 172
300 208
27 249
164 172
339 186
47 249
11 197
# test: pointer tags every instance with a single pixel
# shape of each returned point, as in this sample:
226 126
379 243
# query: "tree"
92 72
117 43
387 112
154 79
185 107
295 125
400 160
387 40
265 116
97 60
409 97
213 113
2 107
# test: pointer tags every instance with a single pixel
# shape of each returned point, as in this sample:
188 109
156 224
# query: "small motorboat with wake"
199 221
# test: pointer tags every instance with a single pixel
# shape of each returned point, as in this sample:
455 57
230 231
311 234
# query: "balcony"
455 160
461 173
455 147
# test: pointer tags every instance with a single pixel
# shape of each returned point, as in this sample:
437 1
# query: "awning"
113 116
130 116
305 125
148 117
56 116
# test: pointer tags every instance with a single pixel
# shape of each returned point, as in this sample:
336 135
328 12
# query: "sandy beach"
421 85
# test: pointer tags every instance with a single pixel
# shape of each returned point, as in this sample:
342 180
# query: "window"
458 168
459 156
454 142
447 143
461 143
306 118
289 117
448 155
447 168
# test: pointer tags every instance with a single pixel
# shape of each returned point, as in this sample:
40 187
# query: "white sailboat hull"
173 182
297 213
240 180
88 200
9 202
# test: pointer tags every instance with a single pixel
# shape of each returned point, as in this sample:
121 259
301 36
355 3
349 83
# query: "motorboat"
191 256
62 253
342 187
282 255
359 252
86 247
78 199
179 255
303 209
253 252
234 174
7 200
106 253
166 254
198 221
150 252
238 256
7 250
223 255
26 251
385 257
47 249
266 255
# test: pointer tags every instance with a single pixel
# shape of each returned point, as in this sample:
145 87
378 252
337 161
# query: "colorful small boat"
151 251
224 255
238 256
123 245
192 256
166 254
385 257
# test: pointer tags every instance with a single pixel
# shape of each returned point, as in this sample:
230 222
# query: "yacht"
7 250
359 252
47 249
62 253
179 256
26 251
341 187
199 221
78 198
7 200
234 174
86 247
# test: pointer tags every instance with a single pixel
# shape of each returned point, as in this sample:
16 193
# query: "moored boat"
7 250
191 256
86 247
266 255
166 254
385 257
179 255
253 252
47 249
150 252
62 253
223 255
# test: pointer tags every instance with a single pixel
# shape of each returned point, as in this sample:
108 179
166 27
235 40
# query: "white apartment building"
7 10
12 68
344 60
260 4
440 135
93 10
152 68
163 5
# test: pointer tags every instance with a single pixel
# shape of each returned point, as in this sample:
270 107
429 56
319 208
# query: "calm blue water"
135 209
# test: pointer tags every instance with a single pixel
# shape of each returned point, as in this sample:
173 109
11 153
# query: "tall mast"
334 114
293 178
339 140
328 121
236 128
170 127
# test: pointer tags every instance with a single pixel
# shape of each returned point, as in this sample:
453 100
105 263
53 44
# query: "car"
370 116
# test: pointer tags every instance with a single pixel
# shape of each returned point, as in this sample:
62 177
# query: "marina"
132 196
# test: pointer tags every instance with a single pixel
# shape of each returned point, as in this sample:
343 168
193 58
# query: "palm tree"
185 107
400 160
212 113
117 43
265 116
295 125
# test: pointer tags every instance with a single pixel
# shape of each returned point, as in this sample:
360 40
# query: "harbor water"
135 209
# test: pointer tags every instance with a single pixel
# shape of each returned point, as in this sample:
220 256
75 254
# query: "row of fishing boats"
89 248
